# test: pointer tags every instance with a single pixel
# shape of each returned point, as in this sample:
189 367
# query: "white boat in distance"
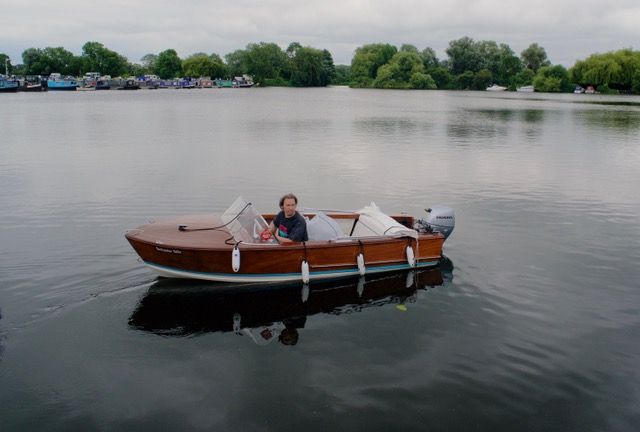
496 87
526 89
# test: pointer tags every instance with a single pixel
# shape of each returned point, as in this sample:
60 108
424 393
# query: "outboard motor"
439 219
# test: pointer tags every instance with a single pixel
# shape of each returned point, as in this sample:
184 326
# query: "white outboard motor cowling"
441 219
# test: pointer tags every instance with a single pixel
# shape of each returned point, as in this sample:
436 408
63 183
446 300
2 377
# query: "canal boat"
236 247
8 85
130 84
244 81
224 83
103 84
57 82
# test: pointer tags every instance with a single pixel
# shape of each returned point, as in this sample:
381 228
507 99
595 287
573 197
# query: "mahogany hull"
207 255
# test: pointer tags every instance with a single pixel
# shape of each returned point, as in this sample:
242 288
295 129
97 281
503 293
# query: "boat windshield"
244 222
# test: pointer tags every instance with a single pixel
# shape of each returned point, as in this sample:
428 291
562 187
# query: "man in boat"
289 226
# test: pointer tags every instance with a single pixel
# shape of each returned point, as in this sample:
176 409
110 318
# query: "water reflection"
1 348
267 313
612 119
532 115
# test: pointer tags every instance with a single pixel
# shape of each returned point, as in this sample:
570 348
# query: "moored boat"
526 89
8 85
244 81
496 87
130 84
224 83
231 248
58 82
103 84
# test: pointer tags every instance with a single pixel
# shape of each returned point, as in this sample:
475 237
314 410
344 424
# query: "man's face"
289 207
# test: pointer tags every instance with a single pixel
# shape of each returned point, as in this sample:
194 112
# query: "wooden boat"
230 247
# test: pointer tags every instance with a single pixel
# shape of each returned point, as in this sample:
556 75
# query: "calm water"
534 324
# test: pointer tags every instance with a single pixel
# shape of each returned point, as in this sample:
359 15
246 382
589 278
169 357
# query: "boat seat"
322 228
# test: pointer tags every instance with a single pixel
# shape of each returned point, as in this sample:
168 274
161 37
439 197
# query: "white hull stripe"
278 277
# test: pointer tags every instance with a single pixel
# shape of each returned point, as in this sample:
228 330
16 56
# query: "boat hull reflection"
186 307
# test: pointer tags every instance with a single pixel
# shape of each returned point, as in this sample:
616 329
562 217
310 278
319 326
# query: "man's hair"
287 196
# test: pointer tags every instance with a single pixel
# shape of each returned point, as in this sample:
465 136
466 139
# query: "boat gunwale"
346 241
308 245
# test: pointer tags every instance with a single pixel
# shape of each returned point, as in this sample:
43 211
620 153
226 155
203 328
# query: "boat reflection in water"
181 307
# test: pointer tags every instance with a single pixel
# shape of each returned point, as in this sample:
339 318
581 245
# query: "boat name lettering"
444 217
175 251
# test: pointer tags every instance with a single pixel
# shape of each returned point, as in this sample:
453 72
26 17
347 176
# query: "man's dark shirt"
293 228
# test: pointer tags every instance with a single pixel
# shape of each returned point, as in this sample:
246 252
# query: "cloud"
568 30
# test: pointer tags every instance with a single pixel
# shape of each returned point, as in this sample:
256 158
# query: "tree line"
267 63
475 65
469 64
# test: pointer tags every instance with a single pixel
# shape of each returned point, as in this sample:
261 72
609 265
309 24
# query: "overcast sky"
568 29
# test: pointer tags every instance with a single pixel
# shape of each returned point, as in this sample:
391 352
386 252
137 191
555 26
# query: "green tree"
465 55
464 80
168 64
328 68
293 48
97 58
552 79
218 68
400 70
236 63
429 59
614 70
343 75
409 48
4 62
522 78
534 57
149 62
265 61
306 67
311 67
482 79
422 81
203 65
367 60
197 65
508 65
135 69
441 76
33 60
635 82
50 60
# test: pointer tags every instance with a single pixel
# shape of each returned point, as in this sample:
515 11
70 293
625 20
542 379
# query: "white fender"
411 259
236 323
360 287
361 267
411 278
235 259
305 272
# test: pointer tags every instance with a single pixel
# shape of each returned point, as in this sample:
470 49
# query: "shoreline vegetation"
470 65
